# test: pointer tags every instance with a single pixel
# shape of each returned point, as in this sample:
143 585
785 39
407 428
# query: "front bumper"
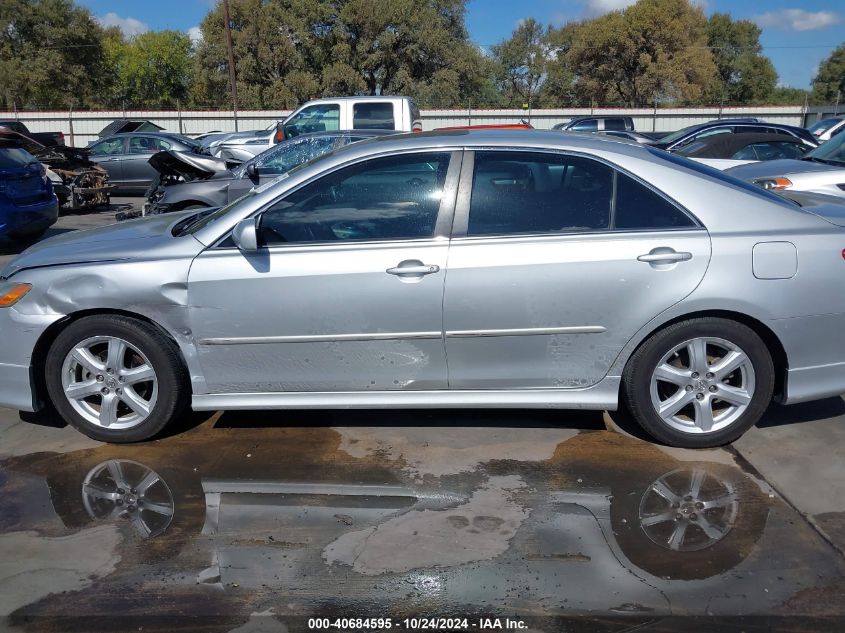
19 334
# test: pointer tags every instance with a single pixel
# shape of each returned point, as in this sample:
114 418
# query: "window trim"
442 225
460 222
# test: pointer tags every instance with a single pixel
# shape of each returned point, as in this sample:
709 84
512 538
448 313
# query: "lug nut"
689 388
130 508
119 502
100 378
110 370
679 516
699 505
713 388
699 396
133 491
693 516
695 374
709 375
140 502
121 491
121 379
688 498
104 390
118 391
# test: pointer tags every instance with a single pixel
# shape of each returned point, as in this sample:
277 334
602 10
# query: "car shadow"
17 246
780 415
521 418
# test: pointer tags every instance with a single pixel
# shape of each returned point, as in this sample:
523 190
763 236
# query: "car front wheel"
115 378
699 383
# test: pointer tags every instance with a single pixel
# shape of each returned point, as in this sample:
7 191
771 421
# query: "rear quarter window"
373 116
11 157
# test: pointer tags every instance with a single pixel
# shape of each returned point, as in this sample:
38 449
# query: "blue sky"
797 34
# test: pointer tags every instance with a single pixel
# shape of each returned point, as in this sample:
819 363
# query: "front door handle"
664 255
413 267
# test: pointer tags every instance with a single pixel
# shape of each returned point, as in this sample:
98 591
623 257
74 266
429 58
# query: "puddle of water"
540 522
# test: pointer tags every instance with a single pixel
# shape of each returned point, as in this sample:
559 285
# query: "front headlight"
11 293
775 184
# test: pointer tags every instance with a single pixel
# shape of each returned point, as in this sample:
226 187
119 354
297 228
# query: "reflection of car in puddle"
565 534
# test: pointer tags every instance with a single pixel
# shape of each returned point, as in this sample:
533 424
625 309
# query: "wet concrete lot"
259 521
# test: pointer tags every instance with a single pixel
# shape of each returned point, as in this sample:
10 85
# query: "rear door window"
614 124
373 116
527 192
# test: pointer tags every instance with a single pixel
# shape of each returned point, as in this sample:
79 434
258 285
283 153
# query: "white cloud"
195 34
798 19
130 27
600 7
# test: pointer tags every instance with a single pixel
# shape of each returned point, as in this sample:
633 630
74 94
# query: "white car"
820 171
323 115
826 129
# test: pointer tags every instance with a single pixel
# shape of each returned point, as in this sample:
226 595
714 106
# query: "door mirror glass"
245 235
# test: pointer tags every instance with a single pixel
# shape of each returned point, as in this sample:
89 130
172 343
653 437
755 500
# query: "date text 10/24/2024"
416 624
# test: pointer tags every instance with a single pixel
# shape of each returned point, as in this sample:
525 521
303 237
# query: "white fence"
81 127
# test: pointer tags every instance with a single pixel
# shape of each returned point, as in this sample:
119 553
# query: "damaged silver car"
192 181
454 269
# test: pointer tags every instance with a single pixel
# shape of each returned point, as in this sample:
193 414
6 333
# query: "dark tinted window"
147 144
588 125
771 151
15 157
523 192
638 207
614 124
373 116
381 199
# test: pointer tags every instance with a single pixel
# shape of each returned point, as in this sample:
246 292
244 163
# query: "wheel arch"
771 340
42 346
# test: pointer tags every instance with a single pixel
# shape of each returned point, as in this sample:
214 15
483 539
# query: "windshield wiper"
184 225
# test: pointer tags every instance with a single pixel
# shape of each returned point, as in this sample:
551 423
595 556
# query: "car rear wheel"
699 383
115 378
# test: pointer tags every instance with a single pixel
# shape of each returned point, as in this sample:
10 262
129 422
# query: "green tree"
786 95
745 75
521 62
288 52
151 70
655 50
51 55
829 83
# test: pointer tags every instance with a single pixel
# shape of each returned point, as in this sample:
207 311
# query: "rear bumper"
28 219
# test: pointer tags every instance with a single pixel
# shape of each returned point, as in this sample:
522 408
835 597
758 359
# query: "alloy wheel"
109 382
702 385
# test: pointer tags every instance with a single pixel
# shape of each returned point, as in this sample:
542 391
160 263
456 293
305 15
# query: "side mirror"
252 171
245 234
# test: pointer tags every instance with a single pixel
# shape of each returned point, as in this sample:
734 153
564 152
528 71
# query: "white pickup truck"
321 115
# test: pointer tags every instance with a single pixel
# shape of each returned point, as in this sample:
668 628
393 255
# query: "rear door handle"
664 255
413 267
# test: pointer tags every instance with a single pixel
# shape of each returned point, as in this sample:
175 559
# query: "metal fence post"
179 114
70 123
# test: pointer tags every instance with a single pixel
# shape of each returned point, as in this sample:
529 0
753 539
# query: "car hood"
238 137
775 168
188 165
134 239
830 208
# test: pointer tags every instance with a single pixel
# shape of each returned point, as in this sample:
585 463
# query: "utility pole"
232 80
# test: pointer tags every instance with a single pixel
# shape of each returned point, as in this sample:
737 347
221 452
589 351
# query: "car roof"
498 138
730 143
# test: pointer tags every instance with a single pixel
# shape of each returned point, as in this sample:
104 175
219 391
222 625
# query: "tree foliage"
287 52
522 62
152 69
829 83
51 55
744 74
654 50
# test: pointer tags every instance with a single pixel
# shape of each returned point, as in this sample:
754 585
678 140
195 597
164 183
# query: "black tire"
162 354
638 373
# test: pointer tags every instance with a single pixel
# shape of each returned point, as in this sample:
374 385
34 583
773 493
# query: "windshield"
820 127
831 152
289 154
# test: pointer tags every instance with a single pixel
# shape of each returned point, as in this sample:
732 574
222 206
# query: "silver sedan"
456 269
